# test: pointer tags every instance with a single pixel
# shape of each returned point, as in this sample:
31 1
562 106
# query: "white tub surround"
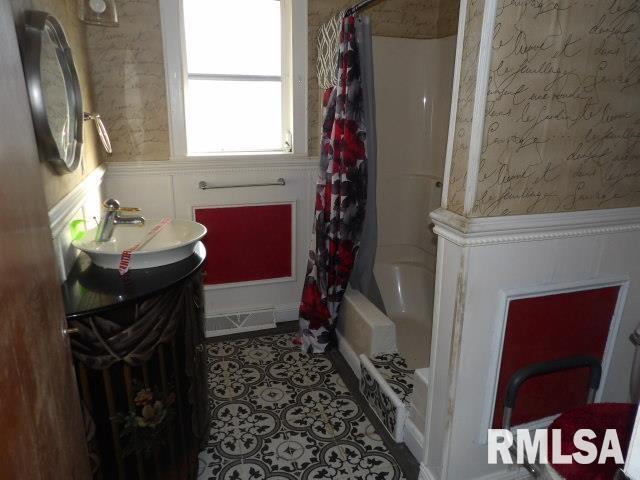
411 141
363 328
484 262
170 188
413 81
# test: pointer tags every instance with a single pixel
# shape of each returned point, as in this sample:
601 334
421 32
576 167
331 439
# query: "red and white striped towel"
125 258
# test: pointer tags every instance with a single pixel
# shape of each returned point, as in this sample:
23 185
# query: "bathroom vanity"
137 343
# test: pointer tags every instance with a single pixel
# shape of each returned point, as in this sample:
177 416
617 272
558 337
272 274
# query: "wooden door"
41 430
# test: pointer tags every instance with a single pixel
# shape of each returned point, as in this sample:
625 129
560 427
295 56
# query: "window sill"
186 164
258 153
241 157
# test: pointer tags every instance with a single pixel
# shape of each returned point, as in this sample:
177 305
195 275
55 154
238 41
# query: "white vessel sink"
173 243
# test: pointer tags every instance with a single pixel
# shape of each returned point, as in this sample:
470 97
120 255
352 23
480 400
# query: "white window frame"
294 78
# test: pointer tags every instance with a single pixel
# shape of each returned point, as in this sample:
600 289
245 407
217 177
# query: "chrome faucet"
111 219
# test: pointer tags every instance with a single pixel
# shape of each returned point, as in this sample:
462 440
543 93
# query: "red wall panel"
247 243
548 328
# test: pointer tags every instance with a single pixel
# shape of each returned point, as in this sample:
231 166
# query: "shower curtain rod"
358 7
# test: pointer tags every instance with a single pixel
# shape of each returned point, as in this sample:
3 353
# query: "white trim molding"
485 49
62 212
455 92
193 164
469 232
173 48
83 202
294 74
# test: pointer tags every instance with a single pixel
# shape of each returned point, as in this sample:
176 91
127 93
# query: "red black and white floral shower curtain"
340 200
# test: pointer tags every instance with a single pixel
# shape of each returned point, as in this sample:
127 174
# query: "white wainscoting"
501 323
481 260
82 203
170 188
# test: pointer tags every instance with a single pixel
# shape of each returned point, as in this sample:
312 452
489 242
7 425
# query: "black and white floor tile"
394 369
387 384
279 414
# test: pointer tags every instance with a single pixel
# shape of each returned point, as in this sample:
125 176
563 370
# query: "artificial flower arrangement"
144 427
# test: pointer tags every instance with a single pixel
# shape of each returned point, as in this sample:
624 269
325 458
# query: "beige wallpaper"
128 71
562 124
464 108
390 18
57 186
127 68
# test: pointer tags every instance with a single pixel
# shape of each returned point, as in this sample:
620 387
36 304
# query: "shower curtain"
346 151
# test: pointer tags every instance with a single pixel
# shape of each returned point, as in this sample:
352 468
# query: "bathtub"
407 292
411 125
405 276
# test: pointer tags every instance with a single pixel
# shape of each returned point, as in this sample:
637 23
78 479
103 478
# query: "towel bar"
202 185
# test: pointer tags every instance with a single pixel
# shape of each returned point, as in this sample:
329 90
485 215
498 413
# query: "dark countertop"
90 289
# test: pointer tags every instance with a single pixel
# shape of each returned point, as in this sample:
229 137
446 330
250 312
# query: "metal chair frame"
544 368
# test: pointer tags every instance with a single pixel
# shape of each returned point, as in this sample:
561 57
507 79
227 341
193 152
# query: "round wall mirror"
54 92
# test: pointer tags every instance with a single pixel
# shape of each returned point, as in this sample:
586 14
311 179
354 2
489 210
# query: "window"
236 82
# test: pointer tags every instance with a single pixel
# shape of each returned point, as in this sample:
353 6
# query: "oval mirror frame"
38 24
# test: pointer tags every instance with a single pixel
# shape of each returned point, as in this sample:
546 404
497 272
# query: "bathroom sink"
175 242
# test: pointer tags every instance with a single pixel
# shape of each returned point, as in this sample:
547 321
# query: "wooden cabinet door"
41 431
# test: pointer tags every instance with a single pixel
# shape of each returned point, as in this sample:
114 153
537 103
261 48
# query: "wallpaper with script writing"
127 69
562 124
127 66
464 108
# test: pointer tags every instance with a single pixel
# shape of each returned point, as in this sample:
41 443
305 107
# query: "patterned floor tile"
290 452
272 395
347 460
237 429
300 369
323 414
280 414
395 371
364 433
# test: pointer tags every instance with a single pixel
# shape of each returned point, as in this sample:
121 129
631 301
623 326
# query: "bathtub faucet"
111 219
